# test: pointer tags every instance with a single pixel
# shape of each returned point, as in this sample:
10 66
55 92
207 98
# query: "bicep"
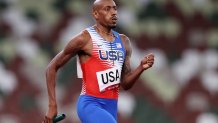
126 66
60 59
71 49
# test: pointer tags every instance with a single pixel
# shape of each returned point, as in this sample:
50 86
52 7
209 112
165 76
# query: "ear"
95 14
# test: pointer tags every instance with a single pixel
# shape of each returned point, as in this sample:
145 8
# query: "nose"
114 12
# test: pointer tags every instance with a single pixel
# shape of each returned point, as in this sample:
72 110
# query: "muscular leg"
90 111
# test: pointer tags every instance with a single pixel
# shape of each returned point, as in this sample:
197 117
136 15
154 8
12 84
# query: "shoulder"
125 40
83 36
79 41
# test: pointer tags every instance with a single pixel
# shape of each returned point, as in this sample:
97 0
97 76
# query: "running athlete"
104 57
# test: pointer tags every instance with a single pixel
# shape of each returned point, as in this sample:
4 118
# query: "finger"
150 60
150 55
145 66
147 61
44 121
47 120
150 63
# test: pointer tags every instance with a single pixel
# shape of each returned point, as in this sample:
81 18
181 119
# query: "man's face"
106 13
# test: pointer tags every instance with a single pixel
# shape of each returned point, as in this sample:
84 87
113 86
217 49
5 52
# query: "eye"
115 7
107 9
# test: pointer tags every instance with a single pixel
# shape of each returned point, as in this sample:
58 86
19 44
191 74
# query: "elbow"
125 87
50 68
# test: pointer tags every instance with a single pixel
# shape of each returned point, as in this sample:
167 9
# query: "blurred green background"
182 86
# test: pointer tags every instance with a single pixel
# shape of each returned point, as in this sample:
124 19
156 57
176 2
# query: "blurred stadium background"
182 87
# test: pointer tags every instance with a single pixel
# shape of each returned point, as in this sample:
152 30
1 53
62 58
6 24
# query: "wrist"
52 105
141 68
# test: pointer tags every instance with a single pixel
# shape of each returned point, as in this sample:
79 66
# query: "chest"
109 51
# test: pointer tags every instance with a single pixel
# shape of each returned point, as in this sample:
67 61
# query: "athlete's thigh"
92 112
111 107
99 115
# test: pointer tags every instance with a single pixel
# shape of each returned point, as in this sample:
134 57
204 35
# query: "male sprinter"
104 56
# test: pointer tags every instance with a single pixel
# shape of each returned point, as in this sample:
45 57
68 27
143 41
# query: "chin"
113 26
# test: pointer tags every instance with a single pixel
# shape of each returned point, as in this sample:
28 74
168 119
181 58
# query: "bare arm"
72 48
129 76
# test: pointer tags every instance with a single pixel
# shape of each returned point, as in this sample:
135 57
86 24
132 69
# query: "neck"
102 29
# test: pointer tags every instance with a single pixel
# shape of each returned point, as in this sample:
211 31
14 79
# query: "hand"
47 120
148 61
52 112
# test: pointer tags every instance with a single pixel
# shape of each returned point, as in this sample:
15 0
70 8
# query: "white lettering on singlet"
108 78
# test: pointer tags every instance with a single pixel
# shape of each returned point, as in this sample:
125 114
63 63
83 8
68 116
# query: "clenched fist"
47 120
147 61
52 112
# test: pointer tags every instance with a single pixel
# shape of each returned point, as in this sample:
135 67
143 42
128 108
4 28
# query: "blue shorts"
96 110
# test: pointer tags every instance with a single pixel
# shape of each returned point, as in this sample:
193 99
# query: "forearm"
50 79
128 80
129 77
